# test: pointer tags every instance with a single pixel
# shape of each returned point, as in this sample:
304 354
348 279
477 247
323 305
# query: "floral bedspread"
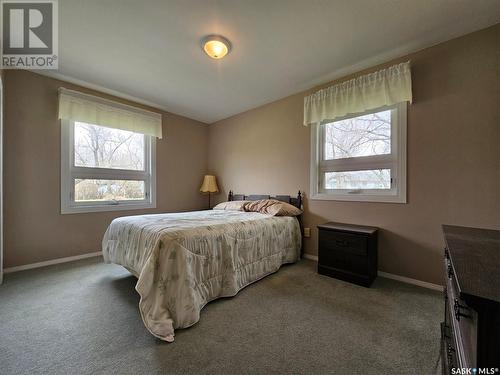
185 260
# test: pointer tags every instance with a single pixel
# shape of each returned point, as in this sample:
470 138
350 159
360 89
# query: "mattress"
185 260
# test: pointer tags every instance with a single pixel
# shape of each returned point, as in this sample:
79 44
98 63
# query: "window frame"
396 161
70 172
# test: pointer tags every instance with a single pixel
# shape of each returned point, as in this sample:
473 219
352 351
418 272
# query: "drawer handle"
445 332
449 352
446 253
450 271
343 243
458 313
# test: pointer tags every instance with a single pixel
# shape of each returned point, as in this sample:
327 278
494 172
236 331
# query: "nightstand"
348 252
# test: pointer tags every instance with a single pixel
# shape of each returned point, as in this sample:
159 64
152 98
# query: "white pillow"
272 207
231 206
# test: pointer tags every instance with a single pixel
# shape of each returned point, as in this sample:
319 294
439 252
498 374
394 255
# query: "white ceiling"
150 50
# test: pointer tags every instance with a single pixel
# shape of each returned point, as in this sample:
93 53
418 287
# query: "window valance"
77 106
384 87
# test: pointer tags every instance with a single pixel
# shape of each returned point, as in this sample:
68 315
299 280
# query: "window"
361 157
105 169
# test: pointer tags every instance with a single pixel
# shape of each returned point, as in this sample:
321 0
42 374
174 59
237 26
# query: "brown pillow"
272 207
231 206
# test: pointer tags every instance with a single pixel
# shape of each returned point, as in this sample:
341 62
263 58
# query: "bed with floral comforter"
185 260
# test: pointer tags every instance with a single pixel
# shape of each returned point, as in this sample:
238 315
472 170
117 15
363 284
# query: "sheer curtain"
384 87
77 106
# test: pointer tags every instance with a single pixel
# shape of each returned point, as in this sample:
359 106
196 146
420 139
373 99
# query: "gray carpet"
82 318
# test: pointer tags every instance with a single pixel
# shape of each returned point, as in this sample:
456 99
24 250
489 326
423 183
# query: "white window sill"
359 198
79 209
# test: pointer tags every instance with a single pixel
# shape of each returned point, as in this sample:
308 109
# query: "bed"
184 260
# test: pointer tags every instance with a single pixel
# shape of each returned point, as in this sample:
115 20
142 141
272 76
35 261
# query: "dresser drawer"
343 242
448 351
343 260
348 252
462 321
472 285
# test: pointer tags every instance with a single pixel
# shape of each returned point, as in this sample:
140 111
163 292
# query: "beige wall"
34 228
453 162
453 156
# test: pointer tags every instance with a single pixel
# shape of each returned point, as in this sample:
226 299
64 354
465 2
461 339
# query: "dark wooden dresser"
348 252
470 333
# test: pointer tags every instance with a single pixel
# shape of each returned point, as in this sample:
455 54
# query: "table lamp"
209 185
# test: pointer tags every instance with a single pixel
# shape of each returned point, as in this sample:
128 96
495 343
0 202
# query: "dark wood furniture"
470 333
296 201
348 252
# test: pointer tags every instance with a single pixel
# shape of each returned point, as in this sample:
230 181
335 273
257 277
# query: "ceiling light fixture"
216 46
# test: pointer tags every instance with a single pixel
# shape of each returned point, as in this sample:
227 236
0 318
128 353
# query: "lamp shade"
209 184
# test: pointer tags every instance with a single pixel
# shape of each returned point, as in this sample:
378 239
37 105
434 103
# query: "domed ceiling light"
216 46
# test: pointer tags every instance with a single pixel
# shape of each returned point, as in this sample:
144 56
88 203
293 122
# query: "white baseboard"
407 280
387 275
51 262
310 257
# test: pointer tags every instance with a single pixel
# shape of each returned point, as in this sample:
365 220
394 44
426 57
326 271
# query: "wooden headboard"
296 201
